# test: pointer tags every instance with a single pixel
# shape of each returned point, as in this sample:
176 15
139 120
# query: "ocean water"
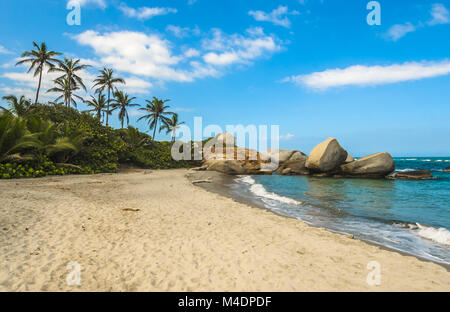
409 216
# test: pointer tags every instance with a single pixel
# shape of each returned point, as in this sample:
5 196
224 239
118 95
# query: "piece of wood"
202 181
131 209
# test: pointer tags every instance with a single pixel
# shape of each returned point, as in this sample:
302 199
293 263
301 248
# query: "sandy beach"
183 238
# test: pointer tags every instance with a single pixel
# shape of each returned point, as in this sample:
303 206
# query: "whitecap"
440 235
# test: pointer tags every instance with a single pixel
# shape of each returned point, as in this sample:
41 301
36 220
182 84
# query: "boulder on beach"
349 159
374 165
280 155
232 167
326 156
412 175
233 161
294 167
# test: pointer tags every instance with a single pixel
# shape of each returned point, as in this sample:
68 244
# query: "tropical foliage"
56 139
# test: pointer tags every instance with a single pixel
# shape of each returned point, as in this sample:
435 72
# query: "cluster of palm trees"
107 97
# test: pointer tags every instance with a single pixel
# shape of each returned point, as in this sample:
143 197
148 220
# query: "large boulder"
293 167
232 167
327 156
349 159
412 175
280 155
447 169
374 165
234 160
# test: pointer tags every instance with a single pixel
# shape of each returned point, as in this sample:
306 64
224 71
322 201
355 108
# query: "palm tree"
156 111
107 81
66 89
70 68
122 101
135 139
14 137
171 125
51 140
38 59
17 106
98 105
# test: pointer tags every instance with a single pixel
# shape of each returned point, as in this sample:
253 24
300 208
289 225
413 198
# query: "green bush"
101 150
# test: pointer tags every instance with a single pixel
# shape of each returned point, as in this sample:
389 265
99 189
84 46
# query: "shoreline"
179 237
217 186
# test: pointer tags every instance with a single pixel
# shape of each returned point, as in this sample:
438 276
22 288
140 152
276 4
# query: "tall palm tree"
122 101
171 126
18 106
98 105
107 81
38 59
63 86
70 68
156 111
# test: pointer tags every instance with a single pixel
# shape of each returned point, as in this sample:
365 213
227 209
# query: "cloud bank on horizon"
361 75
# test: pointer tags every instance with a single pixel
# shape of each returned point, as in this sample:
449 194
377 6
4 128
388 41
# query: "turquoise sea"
409 216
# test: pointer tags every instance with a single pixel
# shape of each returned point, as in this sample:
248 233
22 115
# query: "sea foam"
260 191
440 235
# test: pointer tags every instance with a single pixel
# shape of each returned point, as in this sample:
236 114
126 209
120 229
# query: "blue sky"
314 67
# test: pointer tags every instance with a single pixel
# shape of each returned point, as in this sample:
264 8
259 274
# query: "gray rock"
231 167
349 159
327 156
412 175
277 155
374 165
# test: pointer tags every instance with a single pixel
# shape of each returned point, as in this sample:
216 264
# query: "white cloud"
135 85
100 3
3 50
439 14
145 13
230 49
182 32
135 53
191 2
18 91
287 136
360 75
26 83
151 56
397 31
189 53
277 16
183 109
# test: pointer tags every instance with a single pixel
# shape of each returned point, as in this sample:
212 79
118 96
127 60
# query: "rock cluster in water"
327 159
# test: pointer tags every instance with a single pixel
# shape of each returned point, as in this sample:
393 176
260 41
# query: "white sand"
182 239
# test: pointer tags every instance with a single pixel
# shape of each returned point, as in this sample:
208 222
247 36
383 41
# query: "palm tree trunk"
70 95
154 131
107 110
39 87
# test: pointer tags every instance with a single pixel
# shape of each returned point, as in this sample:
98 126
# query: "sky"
316 68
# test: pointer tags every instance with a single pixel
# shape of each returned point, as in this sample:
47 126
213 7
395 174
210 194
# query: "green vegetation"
37 139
